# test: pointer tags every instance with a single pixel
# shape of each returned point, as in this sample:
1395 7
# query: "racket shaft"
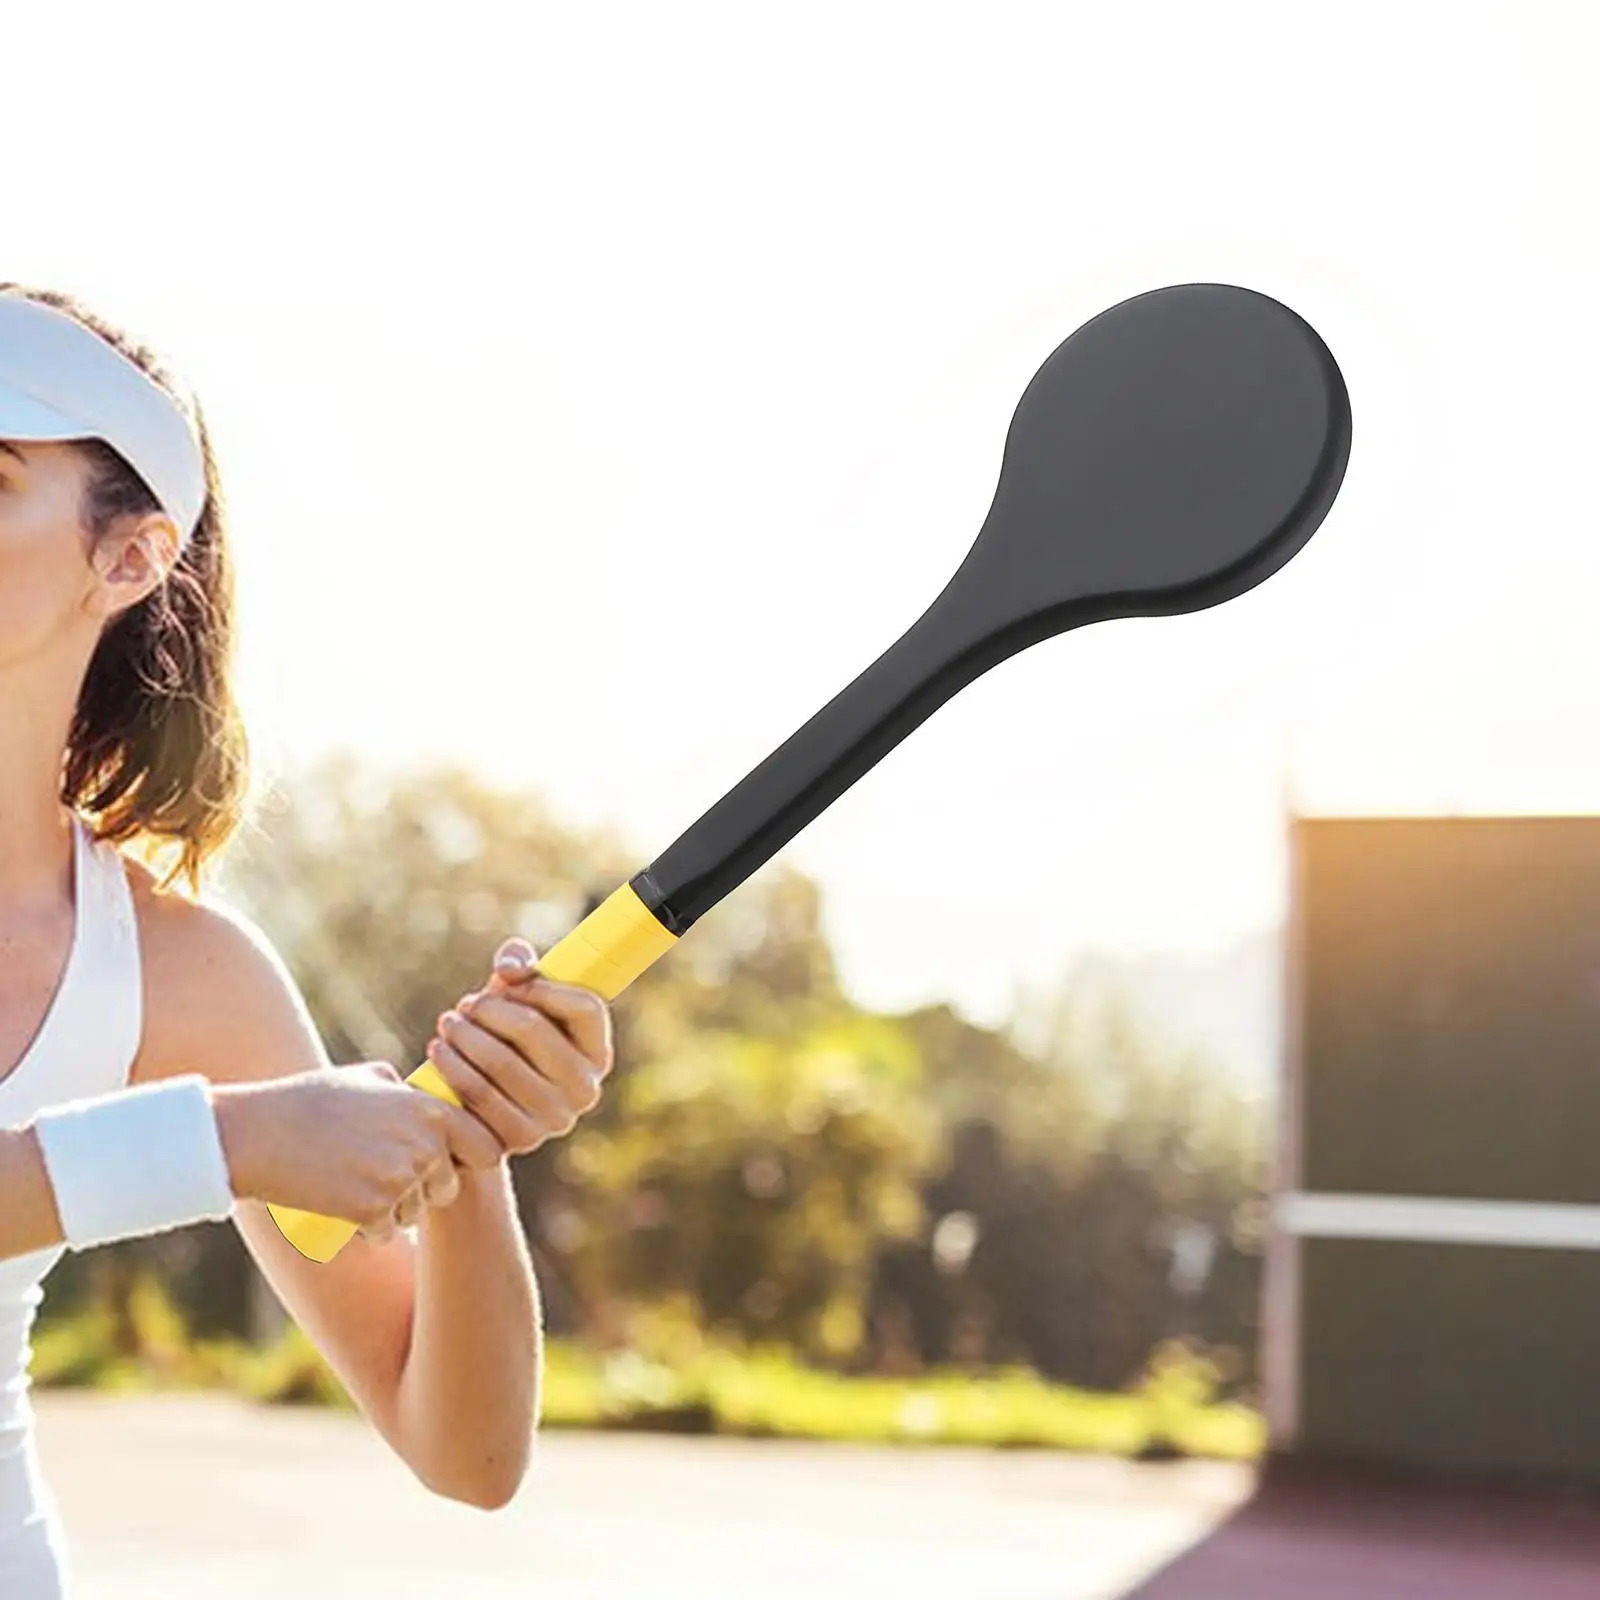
945 649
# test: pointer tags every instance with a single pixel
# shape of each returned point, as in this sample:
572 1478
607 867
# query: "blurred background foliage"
874 1211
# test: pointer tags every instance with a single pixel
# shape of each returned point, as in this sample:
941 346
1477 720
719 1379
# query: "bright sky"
599 388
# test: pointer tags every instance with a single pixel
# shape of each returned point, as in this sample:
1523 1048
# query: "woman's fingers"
441 1184
519 1124
583 1018
529 1036
407 1207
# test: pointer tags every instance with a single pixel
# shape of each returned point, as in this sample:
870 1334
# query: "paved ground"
202 1497
199 1497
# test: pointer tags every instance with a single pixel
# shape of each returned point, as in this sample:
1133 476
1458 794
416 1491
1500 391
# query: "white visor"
60 380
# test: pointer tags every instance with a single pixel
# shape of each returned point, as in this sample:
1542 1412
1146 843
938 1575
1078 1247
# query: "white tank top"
85 1046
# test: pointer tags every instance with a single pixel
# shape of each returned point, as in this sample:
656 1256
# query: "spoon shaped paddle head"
1169 455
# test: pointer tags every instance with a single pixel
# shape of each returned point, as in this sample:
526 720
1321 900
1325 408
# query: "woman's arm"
28 1217
468 1397
436 1338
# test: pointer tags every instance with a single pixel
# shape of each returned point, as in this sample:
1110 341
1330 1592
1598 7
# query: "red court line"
1300 1539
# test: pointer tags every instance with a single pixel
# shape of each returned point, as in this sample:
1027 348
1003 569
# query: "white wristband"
142 1160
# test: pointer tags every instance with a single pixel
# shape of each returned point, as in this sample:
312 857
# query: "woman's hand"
353 1142
526 1056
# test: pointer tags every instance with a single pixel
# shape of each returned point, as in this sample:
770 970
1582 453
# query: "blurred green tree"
769 1162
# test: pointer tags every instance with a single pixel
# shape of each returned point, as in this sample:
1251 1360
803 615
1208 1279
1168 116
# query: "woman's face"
45 574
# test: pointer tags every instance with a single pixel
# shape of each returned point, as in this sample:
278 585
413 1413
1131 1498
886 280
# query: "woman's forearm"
468 1397
28 1217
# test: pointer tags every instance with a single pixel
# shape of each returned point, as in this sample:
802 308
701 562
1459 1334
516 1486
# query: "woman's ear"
131 561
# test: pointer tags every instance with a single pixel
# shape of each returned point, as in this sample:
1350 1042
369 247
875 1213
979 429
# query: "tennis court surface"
188 1497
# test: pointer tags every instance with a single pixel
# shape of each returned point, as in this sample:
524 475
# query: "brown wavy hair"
157 756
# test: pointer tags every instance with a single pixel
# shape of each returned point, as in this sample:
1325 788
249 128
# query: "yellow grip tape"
610 947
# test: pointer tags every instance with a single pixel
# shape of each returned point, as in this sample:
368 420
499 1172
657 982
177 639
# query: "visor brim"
22 417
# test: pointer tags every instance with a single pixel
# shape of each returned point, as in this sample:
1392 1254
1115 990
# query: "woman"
157 1064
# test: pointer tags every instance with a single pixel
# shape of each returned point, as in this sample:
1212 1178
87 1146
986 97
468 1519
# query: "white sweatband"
141 1160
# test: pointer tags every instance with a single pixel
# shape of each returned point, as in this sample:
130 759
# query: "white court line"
1428 1221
